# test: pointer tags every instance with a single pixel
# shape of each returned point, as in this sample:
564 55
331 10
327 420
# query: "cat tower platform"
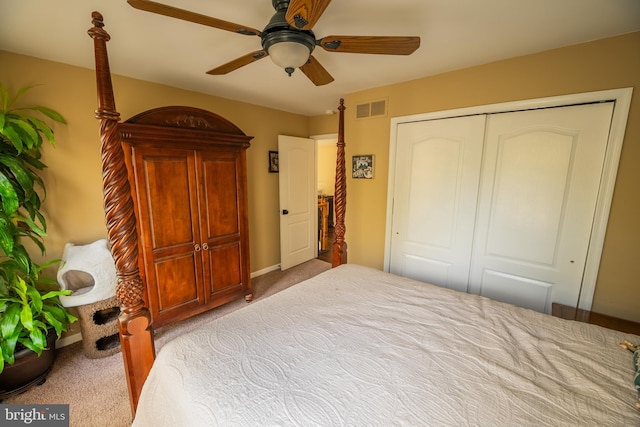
90 273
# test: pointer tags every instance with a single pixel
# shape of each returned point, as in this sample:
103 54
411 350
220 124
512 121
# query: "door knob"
285 212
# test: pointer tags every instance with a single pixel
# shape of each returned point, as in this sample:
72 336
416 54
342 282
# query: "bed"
355 346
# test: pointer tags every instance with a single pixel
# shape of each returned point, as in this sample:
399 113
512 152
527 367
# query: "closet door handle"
285 212
197 247
205 246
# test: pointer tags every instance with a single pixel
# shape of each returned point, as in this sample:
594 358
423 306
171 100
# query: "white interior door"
435 194
298 203
539 188
523 237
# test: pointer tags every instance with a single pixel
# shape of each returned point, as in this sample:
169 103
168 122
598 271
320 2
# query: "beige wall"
599 65
74 203
73 207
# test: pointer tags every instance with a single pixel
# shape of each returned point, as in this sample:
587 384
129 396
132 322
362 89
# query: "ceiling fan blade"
371 44
316 72
238 62
303 14
185 15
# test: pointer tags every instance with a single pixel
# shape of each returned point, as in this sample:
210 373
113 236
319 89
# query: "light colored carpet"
96 389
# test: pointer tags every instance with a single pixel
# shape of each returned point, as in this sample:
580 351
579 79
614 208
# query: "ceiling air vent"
371 109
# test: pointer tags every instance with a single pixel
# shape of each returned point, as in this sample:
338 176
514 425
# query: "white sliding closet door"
539 187
436 187
501 205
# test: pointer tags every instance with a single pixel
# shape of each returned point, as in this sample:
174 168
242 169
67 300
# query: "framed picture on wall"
273 161
362 166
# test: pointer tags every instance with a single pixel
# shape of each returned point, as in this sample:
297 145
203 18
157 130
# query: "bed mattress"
358 347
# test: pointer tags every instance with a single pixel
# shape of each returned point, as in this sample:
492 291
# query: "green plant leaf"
33 226
36 163
55 322
22 259
9 321
26 317
38 242
18 94
43 128
8 346
8 193
22 124
24 176
14 137
6 235
53 115
37 341
55 294
48 264
36 299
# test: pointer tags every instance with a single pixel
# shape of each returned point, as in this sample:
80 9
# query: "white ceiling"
455 34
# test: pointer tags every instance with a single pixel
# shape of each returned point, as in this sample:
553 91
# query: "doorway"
326 165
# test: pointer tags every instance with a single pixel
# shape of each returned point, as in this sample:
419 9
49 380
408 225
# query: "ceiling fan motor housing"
280 4
278 30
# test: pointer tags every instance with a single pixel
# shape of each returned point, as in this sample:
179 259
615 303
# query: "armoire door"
522 235
167 199
222 210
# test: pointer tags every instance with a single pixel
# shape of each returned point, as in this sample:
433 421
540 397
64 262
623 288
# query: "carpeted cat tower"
90 272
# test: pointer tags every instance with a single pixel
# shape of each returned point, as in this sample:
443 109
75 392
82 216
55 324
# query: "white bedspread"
357 347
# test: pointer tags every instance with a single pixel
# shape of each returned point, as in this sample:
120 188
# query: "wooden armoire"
187 170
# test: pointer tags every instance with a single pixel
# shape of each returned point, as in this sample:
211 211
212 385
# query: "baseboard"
265 271
68 340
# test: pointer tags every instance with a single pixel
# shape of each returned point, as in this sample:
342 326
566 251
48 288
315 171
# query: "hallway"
326 255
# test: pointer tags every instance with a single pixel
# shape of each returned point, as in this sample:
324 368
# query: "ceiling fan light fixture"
288 48
289 55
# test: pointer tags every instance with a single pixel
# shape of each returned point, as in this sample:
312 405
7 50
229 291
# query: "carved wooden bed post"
136 333
339 255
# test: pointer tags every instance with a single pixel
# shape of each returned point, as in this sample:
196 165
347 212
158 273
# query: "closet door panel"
539 187
532 175
435 195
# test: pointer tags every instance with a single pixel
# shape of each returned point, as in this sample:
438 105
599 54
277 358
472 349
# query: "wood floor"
326 255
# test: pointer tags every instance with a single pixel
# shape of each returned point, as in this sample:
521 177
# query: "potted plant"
31 315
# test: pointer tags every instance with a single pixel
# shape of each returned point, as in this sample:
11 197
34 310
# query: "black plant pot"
28 370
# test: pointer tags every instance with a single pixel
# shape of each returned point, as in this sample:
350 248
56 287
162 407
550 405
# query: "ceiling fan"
288 38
